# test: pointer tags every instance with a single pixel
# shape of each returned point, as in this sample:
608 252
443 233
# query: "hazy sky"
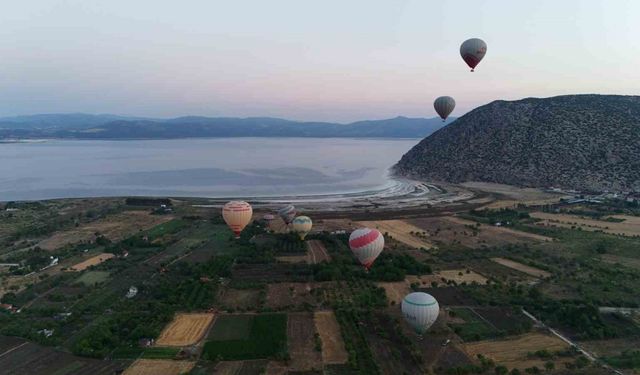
310 60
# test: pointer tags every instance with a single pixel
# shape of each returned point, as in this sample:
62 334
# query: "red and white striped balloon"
366 244
237 214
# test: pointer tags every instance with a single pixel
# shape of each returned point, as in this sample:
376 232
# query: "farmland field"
93 277
156 366
305 355
231 327
245 299
114 227
461 276
628 226
449 229
522 267
333 350
400 231
280 295
396 290
18 356
266 337
185 329
513 352
92 261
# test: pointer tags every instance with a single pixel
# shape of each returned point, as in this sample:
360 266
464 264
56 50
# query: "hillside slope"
583 142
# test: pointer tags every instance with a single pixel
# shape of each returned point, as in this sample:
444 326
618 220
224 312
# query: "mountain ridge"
83 126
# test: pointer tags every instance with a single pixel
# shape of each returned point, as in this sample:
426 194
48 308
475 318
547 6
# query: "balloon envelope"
287 213
366 244
302 225
237 214
473 51
420 310
444 105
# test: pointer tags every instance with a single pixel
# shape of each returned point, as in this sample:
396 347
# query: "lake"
212 167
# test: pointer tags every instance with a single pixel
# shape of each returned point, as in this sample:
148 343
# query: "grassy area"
92 278
169 227
160 353
267 339
473 328
231 327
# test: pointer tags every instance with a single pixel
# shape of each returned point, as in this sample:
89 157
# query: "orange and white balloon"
237 214
366 244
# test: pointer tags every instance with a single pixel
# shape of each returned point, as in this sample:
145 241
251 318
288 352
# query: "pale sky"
330 60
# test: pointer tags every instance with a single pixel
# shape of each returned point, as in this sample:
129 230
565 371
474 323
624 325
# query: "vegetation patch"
267 338
92 278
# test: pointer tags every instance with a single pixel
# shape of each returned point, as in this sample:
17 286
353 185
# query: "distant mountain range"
84 126
582 142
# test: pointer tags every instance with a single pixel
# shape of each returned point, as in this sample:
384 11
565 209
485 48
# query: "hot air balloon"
302 226
268 219
287 213
237 214
366 244
420 310
444 105
472 51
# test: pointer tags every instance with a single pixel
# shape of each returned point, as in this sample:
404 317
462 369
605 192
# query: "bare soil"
522 267
92 261
512 352
333 350
301 340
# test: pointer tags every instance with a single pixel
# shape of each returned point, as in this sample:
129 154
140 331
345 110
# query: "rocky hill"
583 142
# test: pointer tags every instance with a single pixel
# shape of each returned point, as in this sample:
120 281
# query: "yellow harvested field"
185 329
114 227
629 227
522 267
159 367
512 352
92 261
400 230
333 350
461 276
396 290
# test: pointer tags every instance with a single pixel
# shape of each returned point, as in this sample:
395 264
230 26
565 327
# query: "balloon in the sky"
237 214
472 51
444 105
268 219
366 244
302 226
287 213
420 310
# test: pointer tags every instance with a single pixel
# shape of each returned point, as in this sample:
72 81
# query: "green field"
92 278
267 339
231 327
473 328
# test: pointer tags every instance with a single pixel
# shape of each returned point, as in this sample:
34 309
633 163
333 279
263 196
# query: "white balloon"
420 310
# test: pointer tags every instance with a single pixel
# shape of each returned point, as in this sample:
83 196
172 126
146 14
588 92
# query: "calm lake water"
218 167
